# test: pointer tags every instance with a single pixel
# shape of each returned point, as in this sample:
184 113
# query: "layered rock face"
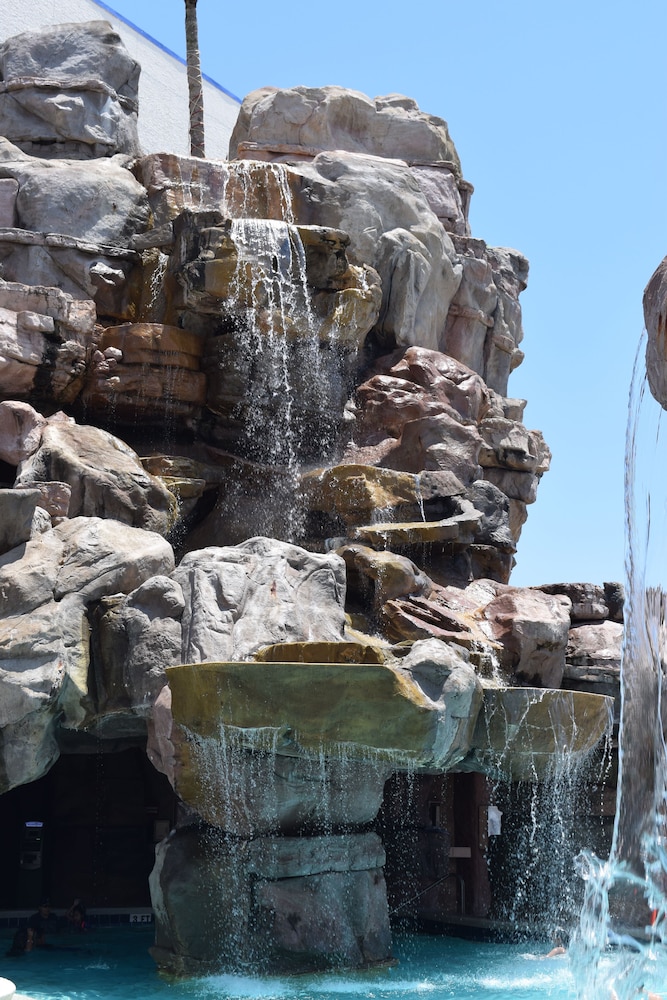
262 487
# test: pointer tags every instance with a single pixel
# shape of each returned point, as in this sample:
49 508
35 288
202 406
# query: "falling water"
546 823
625 897
273 818
293 384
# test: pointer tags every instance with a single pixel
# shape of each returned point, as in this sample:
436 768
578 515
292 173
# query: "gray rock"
43 677
443 193
28 574
589 601
8 191
593 658
248 794
98 202
102 556
336 918
260 592
69 90
598 642
615 597
87 556
45 586
20 430
287 857
134 639
392 228
444 674
330 917
509 445
495 527
68 216
54 498
334 118
17 510
105 476
655 319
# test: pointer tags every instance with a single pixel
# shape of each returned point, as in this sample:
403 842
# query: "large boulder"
134 637
17 515
655 319
105 475
73 225
532 628
238 599
43 676
317 118
391 226
528 734
484 321
593 658
47 585
280 904
69 90
20 431
235 728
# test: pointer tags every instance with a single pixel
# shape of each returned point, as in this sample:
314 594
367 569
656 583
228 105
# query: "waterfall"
625 902
293 386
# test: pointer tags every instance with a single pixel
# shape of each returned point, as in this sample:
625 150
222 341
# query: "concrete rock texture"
260 404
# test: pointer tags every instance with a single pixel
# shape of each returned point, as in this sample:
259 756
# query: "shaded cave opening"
86 830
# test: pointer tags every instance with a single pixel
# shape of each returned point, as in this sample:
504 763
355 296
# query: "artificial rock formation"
655 319
262 485
71 92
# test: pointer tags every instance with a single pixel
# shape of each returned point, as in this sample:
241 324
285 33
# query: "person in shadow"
76 916
42 923
22 942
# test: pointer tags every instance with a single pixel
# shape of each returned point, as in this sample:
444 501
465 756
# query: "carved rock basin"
529 733
357 722
270 745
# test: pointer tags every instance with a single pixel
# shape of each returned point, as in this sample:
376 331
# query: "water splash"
625 903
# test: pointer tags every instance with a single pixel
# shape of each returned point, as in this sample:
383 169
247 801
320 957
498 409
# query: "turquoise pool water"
114 965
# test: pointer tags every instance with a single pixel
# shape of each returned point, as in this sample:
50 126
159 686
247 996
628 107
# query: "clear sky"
558 114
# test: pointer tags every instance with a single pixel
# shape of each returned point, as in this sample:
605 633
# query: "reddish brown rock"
532 629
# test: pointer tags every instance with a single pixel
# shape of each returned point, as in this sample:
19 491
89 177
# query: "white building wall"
163 87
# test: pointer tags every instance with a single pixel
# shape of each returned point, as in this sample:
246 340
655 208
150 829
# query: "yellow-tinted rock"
408 533
314 708
353 490
140 342
310 704
320 652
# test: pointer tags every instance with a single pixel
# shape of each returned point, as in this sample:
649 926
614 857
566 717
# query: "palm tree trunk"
194 80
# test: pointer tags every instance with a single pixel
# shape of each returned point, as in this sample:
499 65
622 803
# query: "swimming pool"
114 964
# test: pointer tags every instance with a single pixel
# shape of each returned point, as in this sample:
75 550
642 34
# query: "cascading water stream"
291 371
625 901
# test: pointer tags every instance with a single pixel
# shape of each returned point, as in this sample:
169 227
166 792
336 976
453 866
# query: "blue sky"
558 115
